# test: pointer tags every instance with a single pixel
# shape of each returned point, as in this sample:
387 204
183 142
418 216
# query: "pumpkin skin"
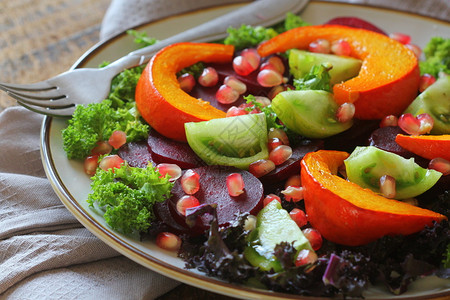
159 98
347 214
428 146
389 77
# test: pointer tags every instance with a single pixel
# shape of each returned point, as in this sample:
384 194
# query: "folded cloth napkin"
44 252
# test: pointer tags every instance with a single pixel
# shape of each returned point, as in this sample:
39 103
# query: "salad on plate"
304 159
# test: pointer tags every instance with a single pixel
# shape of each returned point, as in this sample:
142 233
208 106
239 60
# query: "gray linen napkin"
45 253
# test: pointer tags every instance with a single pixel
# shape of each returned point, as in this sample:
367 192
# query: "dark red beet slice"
224 70
384 138
292 165
137 154
213 190
164 214
356 23
357 135
165 150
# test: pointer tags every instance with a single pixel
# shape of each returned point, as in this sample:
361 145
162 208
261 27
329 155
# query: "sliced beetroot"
224 70
136 154
384 139
356 23
292 165
165 150
357 135
213 190
164 214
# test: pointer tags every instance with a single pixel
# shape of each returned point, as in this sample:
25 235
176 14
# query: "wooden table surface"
40 39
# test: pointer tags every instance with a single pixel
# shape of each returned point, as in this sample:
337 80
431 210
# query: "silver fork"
59 95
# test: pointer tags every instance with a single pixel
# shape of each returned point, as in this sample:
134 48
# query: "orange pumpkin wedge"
159 98
389 77
427 146
347 214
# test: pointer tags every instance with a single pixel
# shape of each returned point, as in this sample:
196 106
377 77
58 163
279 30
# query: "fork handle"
261 12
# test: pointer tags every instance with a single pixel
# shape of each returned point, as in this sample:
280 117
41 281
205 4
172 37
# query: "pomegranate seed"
314 237
274 63
102 148
275 91
280 154
168 241
242 66
390 120
400 37
345 112
294 180
250 223
425 81
273 143
387 186
90 165
252 56
426 123
111 162
173 170
226 94
186 202
341 48
261 167
293 193
320 46
263 101
441 165
235 84
209 77
305 257
409 124
117 139
271 197
415 49
235 184
299 217
280 134
269 78
187 82
236 111
190 182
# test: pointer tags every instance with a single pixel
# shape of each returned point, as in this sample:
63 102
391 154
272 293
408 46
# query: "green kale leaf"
96 122
248 36
437 57
127 195
141 38
318 78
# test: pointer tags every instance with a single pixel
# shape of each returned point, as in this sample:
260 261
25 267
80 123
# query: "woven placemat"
40 39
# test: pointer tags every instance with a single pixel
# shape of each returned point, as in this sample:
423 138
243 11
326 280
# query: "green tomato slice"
234 141
311 113
366 165
273 226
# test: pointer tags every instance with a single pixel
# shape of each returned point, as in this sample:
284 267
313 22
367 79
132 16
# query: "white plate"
72 185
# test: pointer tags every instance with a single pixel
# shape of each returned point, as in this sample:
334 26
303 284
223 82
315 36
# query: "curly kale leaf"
127 195
437 57
318 78
96 122
290 22
248 36
141 38
123 87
